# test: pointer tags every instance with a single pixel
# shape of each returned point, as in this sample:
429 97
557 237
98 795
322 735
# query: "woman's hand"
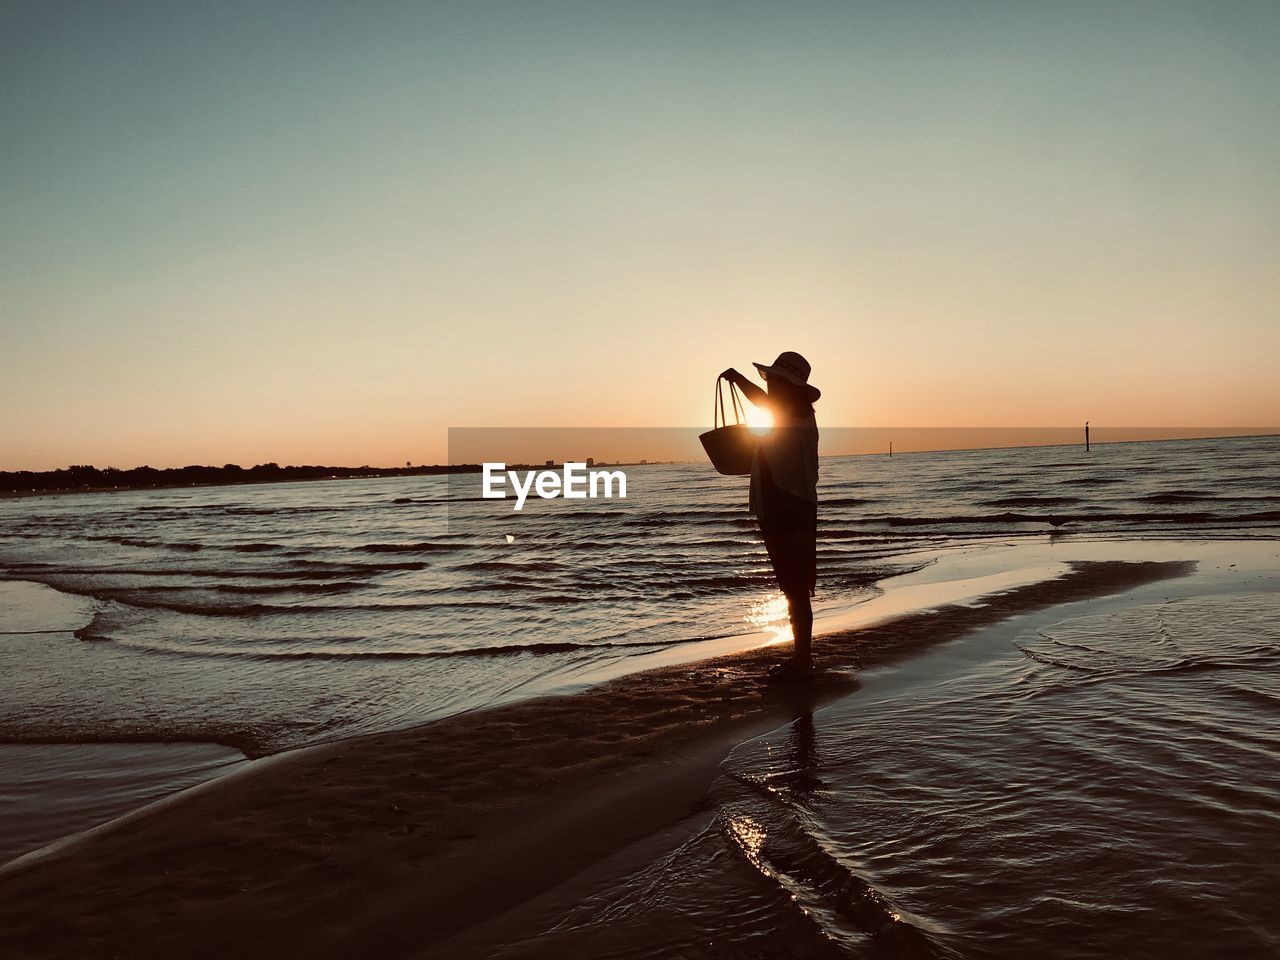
749 389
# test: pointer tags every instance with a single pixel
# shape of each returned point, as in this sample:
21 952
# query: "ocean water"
1094 782
272 616
1103 784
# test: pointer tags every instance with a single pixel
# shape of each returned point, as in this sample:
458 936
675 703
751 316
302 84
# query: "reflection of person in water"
805 761
784 493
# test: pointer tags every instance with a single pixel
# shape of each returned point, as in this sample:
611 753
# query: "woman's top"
791 447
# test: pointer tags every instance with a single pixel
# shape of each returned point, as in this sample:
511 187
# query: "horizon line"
1262 432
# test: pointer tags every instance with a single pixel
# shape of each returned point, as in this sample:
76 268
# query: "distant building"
551 463
591 461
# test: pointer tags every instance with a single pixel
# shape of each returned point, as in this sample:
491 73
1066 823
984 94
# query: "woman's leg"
800 611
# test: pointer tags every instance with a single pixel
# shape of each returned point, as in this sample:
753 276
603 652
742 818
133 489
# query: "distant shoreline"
329 473
271 473
8 489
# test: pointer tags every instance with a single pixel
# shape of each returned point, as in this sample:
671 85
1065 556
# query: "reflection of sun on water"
750 837
770 614
759 419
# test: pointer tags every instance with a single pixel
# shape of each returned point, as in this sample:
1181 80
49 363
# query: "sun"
759 419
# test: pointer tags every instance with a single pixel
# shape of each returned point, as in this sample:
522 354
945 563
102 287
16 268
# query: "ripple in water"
1110 788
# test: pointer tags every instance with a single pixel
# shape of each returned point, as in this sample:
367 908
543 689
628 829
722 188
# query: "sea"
1099 783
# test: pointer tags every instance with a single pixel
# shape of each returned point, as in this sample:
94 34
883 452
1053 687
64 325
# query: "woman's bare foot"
791 671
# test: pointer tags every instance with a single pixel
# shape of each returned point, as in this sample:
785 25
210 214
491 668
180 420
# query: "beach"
629 798
394 842
364 818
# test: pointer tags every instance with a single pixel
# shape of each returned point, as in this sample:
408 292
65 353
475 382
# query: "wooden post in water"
1086 436
890 449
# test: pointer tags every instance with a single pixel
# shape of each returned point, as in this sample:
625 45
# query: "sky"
327 232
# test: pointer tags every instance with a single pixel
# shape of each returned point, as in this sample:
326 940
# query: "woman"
784 493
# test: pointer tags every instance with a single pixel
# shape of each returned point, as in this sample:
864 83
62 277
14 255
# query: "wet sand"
386 844
51 790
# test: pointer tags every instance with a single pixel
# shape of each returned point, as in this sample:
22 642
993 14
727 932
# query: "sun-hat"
789 366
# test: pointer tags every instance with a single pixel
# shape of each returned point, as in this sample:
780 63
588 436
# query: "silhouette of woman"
784 493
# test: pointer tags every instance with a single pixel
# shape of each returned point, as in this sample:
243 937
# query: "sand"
386 844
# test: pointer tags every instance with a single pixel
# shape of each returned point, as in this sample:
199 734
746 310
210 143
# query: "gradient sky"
311 232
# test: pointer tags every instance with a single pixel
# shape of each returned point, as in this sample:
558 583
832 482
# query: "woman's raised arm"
755 394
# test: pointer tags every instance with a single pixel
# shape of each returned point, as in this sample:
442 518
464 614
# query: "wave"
1176 496
252 589
1048 661
1269 701
129 599
845 501
181 545
669 548
148 544
423 547
317 570
405 500
772 840
508 585
1031 501
530 566
94 633
1105 516
280 510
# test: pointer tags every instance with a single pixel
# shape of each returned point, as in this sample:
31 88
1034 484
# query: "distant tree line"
84 477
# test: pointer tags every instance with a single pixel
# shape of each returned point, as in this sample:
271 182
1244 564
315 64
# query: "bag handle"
739 412
739 415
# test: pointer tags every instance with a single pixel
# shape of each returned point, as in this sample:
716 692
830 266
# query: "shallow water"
52 790
1101 785
269 616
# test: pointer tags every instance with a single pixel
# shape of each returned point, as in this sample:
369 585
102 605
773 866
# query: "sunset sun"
759 419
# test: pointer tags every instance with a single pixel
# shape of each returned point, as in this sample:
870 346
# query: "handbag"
730 446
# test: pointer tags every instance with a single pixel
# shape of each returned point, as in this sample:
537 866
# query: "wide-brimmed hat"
790 366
